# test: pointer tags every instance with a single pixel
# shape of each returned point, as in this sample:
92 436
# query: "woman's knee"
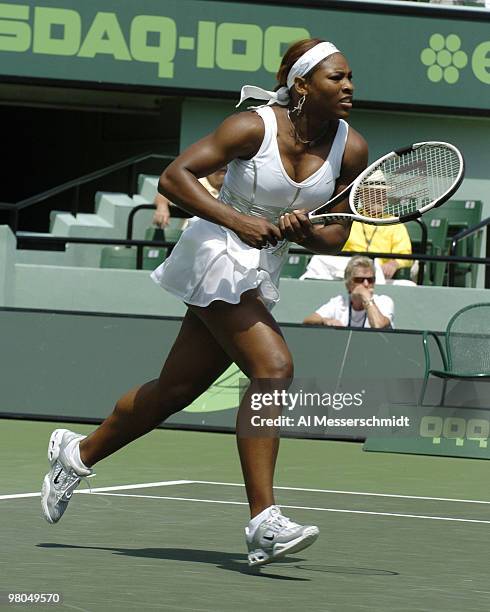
277 365
176 397
156 398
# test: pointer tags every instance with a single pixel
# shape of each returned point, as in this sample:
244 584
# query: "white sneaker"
276 537
61 480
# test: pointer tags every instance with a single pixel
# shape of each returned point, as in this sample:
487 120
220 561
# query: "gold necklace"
301 140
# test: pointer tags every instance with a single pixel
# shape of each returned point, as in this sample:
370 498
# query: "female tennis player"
284 158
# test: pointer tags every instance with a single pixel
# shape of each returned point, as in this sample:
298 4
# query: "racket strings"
404 184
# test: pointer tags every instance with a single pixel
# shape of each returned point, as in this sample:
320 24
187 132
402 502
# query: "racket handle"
318 220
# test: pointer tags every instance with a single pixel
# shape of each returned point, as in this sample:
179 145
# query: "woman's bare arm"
239 136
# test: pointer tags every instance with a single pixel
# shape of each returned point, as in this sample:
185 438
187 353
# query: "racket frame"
319 219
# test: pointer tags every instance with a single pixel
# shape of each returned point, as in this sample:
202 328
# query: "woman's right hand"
257 232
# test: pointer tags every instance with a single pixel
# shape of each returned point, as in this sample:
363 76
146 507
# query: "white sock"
255 522
72 453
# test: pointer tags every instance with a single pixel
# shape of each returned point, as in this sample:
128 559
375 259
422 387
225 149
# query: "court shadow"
337 569
234 562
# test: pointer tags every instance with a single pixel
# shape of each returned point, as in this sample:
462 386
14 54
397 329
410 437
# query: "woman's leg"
195 361
251 337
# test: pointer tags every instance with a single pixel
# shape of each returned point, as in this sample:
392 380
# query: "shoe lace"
69 480
278 522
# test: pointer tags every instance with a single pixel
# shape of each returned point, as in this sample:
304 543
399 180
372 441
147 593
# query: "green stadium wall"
133 292
74 366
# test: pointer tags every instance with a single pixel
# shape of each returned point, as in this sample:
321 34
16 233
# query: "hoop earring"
298 109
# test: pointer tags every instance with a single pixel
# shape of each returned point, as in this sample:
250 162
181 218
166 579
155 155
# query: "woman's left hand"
296 226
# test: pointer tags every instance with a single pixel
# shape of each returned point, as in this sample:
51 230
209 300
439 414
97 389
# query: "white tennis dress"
210 262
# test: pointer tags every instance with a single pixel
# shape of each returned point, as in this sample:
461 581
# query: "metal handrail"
64 240
436 258
75 184
457 238
423 246
132 212
26 238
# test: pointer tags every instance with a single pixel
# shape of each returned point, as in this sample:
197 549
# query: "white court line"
235 503
235 484
146 485
449 499
20 495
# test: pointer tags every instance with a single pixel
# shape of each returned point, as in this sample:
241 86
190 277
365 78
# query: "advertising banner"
205 46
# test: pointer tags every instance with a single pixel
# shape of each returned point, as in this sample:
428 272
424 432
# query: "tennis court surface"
163 528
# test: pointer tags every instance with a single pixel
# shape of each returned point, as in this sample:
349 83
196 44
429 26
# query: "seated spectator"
365 238
212 183
332 267
360 307
381 239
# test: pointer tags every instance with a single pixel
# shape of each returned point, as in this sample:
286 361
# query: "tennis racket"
400 186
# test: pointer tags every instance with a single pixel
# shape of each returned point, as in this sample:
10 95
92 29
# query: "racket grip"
318 221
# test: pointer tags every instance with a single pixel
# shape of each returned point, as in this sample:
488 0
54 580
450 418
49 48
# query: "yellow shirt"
380 239
212 190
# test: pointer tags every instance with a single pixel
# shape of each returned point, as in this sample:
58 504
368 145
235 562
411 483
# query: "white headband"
301 67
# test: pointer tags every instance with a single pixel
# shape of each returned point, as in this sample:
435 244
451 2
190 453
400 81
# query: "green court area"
163 526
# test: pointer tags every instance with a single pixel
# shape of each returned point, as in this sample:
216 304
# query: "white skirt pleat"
210 263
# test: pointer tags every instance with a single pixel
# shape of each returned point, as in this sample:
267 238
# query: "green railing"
72 188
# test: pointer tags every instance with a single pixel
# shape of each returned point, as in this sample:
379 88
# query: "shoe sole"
294 546
45 491
53 454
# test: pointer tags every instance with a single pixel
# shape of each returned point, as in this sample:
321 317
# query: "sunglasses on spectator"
360 279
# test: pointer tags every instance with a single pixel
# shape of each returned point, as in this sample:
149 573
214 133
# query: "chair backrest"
118 257
415 233
468 339
459 214
437 231
152 258
171 233
294 266
154 233
125 259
